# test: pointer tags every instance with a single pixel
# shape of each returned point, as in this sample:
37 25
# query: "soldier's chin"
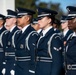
70 27
18 24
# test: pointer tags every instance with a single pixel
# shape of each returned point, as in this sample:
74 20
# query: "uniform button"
14 64
5 60
6 47
15 59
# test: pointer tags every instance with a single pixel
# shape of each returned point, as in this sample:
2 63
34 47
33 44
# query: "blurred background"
58 5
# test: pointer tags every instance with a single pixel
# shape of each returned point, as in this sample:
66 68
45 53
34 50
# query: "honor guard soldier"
7 43
2 28
56 25
65 30
71 45
2 21
65 33
25 43
49 46
35 24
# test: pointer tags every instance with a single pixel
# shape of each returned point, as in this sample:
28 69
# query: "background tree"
32 4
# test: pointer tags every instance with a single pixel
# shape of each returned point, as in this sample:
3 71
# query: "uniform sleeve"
57 48
32 46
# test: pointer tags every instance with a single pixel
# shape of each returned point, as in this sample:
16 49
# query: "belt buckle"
16 58
37 58
69 67
6 54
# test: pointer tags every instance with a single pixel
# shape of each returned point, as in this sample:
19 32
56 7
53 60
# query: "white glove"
31 71
4 63
3 71
12 72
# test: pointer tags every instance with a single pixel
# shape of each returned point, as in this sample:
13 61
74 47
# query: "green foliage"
43 4
56 7
31 4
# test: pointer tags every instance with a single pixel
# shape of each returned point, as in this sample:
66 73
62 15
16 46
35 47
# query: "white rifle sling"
2 36
49 44
27 39
14 37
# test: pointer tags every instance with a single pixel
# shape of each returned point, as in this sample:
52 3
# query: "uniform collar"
23 29
12 28
39 31
65 32
74 34
46 30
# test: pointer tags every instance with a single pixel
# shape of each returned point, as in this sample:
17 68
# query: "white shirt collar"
74 34
65 32
39 31
46 30
12 28
23 29
1 27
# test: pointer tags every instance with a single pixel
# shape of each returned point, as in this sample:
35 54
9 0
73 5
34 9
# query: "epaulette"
69 36
16 32
49 44
4 32
57 36
26 41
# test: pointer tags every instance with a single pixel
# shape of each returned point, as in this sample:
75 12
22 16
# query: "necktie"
41 34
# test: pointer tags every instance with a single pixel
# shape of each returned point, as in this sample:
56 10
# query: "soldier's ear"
26 17
49 20
30 18
74 20
1 22
15 20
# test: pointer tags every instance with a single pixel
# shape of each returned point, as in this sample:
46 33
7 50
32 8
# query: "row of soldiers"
27 49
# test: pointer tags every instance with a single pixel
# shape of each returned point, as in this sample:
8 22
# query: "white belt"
26 58
44 59
1 49
71 67
23 59
9 53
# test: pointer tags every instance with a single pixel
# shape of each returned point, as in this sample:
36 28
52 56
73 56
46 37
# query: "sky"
64 3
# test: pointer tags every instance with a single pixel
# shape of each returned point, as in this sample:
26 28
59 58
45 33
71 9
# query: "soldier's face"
64 25
1 23
10 21
21 21
44 22
72 24
36 27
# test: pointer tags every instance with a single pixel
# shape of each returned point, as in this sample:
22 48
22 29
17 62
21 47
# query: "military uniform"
49 50
2 17
10 53
70 56
25 47
2 29
7 46
71 45
1 51
4 35
65 34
